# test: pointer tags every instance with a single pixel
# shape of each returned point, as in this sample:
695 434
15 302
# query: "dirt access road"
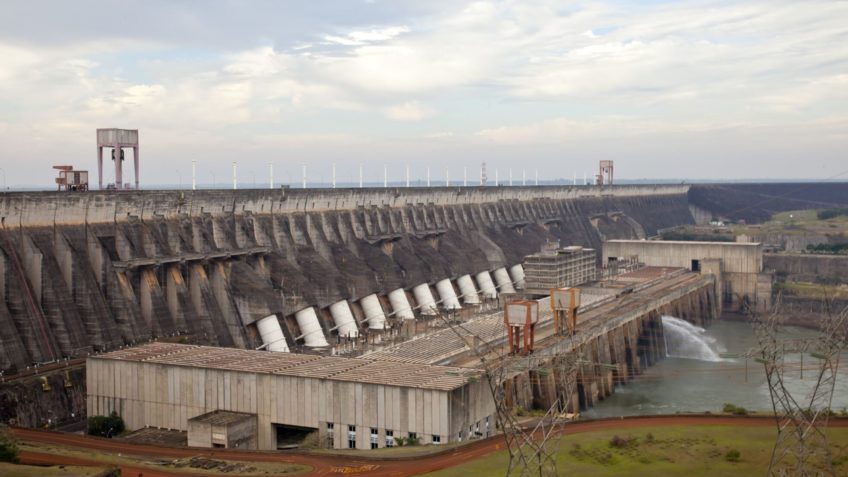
334 464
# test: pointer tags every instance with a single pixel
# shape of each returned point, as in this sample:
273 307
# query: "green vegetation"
832 213
8 445
409 441
690 451
734 409
17 470
106 426
733 455
839 248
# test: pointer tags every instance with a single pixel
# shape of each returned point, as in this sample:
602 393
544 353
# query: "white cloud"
408 111
363 37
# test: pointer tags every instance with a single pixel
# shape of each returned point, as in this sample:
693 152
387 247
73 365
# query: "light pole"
180 175
213 179
4 178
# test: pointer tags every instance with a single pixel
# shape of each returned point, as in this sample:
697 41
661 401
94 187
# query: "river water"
695 378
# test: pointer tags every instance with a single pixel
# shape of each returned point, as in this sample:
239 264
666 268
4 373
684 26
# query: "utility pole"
193 174
304 176
270 175
334 175
235 176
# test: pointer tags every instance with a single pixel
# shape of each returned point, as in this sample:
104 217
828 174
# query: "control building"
351 402
556 267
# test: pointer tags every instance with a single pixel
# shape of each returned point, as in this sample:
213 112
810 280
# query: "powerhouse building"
351 402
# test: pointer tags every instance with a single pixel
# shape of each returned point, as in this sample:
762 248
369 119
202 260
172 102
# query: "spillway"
346 325
400 305
466 288
374 315
487 287
272 335
516 272
313 335
424 298
503 281
447 295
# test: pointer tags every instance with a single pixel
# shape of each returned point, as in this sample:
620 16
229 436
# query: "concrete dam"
92 272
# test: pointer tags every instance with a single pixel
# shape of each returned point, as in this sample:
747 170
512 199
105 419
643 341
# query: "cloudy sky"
678 89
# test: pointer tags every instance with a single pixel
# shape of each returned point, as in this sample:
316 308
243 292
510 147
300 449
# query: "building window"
459 436
374 441
412 436
390 438
351 437
437 439
330 436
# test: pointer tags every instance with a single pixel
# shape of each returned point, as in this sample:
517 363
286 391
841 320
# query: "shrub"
734 409
8 445
649 438
622 442
733 455
413 441
106 426
400 441
310 441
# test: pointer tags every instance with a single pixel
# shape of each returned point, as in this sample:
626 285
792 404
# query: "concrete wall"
148 394
741 263
809 267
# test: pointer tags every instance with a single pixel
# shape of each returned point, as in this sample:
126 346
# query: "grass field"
12 470
691 451
796 222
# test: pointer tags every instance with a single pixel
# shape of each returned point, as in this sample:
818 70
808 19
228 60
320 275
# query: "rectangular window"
459 436
390 438
374 441
330 435
437 439
351 437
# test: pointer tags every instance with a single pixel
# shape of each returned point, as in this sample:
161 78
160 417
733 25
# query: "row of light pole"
333 183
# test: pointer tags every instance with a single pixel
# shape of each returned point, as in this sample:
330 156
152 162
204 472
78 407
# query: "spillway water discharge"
685 340
694 378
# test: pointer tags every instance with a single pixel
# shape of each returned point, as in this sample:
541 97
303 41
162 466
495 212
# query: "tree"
8 445
106 426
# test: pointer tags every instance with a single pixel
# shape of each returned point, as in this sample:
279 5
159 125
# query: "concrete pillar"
99 168
137 160
119 167
64 258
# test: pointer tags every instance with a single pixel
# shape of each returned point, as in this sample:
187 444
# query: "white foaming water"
685 340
